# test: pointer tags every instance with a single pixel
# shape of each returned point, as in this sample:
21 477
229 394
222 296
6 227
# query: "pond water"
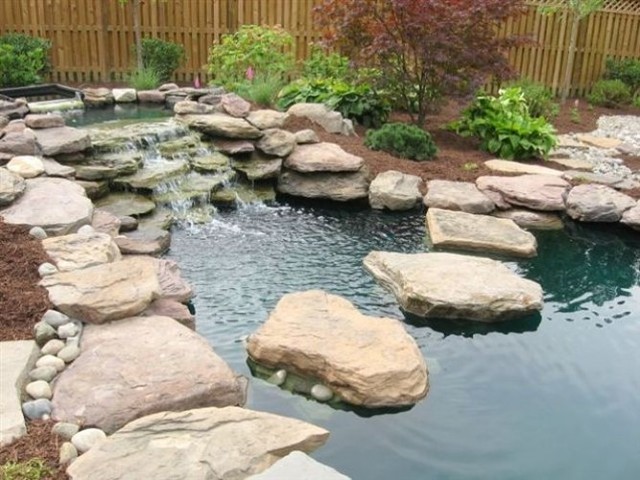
556 395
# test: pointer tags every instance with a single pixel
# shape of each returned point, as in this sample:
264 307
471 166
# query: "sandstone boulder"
77 251
233 147
631 217
450 286
187 107
531 220
235 105
59 140
322 157
97 97
11 186
144 241
367 361
126 204
48 120
124 95
331 121
18 143
221 125
150 176
301 466
266 119
597 203
395 191
151 96
259 167
509 166
210 443
214 162
536 192
279 143
463 196
55 204
106 292
105 222
55 169
466 231
341 187
164 307
139 366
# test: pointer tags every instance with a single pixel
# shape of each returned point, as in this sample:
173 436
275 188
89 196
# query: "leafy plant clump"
23 59
402 140
253 53
34 469
263 91
627 70
504 126
359 102
161 56
145 79
539 99
610 93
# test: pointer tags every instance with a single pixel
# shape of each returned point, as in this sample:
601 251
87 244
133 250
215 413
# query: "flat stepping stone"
215 162
507 166
366 361
568 141
300 466
395 191
450 286
463 196
597 203
605 143
144 241
466 231
126 204
57 205
17 359
535 192
259 167
203 444
106 292
590 177
322 157
573 163
531 220
76 251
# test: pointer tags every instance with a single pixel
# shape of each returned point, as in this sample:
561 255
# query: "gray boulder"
439 285
11 186
300 466
463 196
279 143
597 203
59 140
631 217
49 120
322 157
266 119
395 191
331 121
536 192
341 187
76 251
221 125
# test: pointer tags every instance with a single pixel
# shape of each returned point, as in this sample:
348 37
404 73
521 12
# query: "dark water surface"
554 396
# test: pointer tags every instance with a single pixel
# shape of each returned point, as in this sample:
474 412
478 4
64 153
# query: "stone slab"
299 466
508 166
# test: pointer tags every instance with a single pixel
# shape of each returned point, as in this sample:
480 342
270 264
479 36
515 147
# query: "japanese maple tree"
425 48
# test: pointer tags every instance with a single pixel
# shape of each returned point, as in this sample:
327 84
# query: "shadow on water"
469 328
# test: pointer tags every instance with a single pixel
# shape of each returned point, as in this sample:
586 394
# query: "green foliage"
610 93
252 53
539 99
575 115
261 91
34 469
360 102
145 79
581 8
326 65
163 57
636 101
626 70
504 126
23 59
402 140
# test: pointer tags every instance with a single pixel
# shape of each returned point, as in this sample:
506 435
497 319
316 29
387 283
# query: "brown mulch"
22 301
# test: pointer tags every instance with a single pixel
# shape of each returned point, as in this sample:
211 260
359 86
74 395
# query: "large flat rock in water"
140 366
466 231
106 292
463 196
341 187
450 286
204 444
365 360
536 192
57 205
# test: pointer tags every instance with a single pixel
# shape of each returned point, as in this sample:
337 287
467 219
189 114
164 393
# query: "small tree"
578 9
426 48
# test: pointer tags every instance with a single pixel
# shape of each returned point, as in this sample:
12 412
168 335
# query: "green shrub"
145 79
636 101
23 59
539 99
610 93
402 140
326 65
163 57
261 91
34 469
253 53
360 102
626 70
504 126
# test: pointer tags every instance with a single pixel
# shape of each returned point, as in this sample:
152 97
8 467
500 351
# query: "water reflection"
469 328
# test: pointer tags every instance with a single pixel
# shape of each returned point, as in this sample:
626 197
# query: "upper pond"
552 396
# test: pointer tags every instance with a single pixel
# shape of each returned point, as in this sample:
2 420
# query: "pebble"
43 332
65 430
55 319
47 269
52 347
69 353
321 393
86 230
50 360
38 232
46 373
85 439
68 330
75 340
39 389
278 378
68 453
37 409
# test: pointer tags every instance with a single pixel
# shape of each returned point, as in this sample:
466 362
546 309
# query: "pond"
553 396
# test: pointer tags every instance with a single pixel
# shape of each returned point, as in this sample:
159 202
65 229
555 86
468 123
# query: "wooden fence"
92 39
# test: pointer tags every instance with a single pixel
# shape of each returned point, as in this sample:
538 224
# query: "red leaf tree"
425 48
